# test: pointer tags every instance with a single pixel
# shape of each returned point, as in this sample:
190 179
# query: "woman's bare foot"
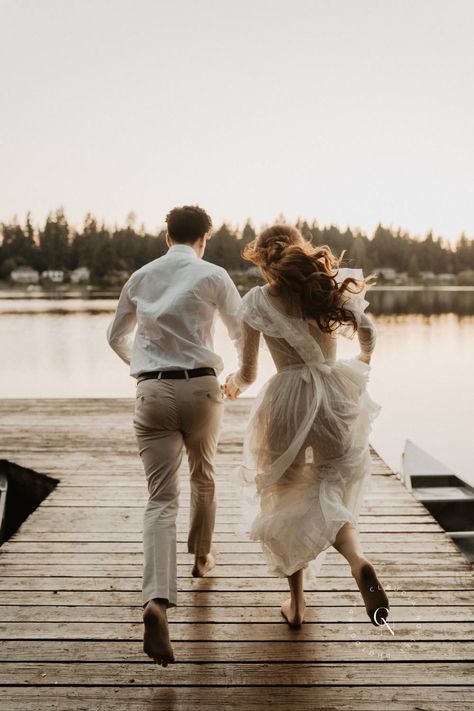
373 594
294 613
156 637
203 564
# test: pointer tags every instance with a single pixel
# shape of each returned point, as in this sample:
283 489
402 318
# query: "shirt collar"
184 248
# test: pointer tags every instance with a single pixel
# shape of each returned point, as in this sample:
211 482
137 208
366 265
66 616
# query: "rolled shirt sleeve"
228 301
120 330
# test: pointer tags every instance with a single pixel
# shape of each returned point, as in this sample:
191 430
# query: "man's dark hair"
187 223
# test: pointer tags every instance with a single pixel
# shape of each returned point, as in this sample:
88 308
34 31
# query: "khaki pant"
171 415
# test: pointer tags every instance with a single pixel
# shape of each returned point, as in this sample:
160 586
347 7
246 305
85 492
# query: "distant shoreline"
114 293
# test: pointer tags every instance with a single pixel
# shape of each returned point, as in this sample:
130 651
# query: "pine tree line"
56 245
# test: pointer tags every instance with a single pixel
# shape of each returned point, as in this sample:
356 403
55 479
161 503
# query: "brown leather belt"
176 374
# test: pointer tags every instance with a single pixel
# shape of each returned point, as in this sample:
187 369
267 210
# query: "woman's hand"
230 389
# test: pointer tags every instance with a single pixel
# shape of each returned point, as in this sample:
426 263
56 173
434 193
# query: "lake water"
422 370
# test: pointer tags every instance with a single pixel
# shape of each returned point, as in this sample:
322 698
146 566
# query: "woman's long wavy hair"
305 274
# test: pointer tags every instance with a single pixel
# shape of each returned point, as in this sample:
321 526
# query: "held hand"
230 389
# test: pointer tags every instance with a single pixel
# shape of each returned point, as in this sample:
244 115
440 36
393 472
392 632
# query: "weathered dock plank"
370 697
70 579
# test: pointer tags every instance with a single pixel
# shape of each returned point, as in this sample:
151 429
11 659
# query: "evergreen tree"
413 268
223 248
92 248
18 246
54 247
57 246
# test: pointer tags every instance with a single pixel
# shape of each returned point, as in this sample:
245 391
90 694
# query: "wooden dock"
71 578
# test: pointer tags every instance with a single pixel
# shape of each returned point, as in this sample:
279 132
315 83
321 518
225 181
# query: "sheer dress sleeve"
366 333
247 372
253 323
357 304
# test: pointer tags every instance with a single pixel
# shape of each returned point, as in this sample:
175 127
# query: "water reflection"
422 301
56 306
421 372
386 300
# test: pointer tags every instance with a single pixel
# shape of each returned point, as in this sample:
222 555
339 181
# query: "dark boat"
3 503
447 497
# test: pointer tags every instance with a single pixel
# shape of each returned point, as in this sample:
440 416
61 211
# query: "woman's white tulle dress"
306 445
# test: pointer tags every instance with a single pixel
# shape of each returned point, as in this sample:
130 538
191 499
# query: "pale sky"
347 111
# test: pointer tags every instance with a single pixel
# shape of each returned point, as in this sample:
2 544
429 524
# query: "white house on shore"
81 275
54 275
401 278
25 275
387 273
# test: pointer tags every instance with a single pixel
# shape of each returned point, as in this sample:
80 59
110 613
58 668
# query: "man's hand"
230 389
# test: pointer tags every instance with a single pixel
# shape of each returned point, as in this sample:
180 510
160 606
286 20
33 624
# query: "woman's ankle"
298 603
358 562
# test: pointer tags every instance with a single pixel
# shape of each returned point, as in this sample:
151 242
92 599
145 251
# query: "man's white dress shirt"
173 302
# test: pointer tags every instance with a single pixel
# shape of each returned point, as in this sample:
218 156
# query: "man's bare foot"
293 614
156 637
203 564
373 594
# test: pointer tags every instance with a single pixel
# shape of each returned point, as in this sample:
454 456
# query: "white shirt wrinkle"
171 304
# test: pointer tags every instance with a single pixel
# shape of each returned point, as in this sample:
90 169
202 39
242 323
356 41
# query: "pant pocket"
216 396
210 391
